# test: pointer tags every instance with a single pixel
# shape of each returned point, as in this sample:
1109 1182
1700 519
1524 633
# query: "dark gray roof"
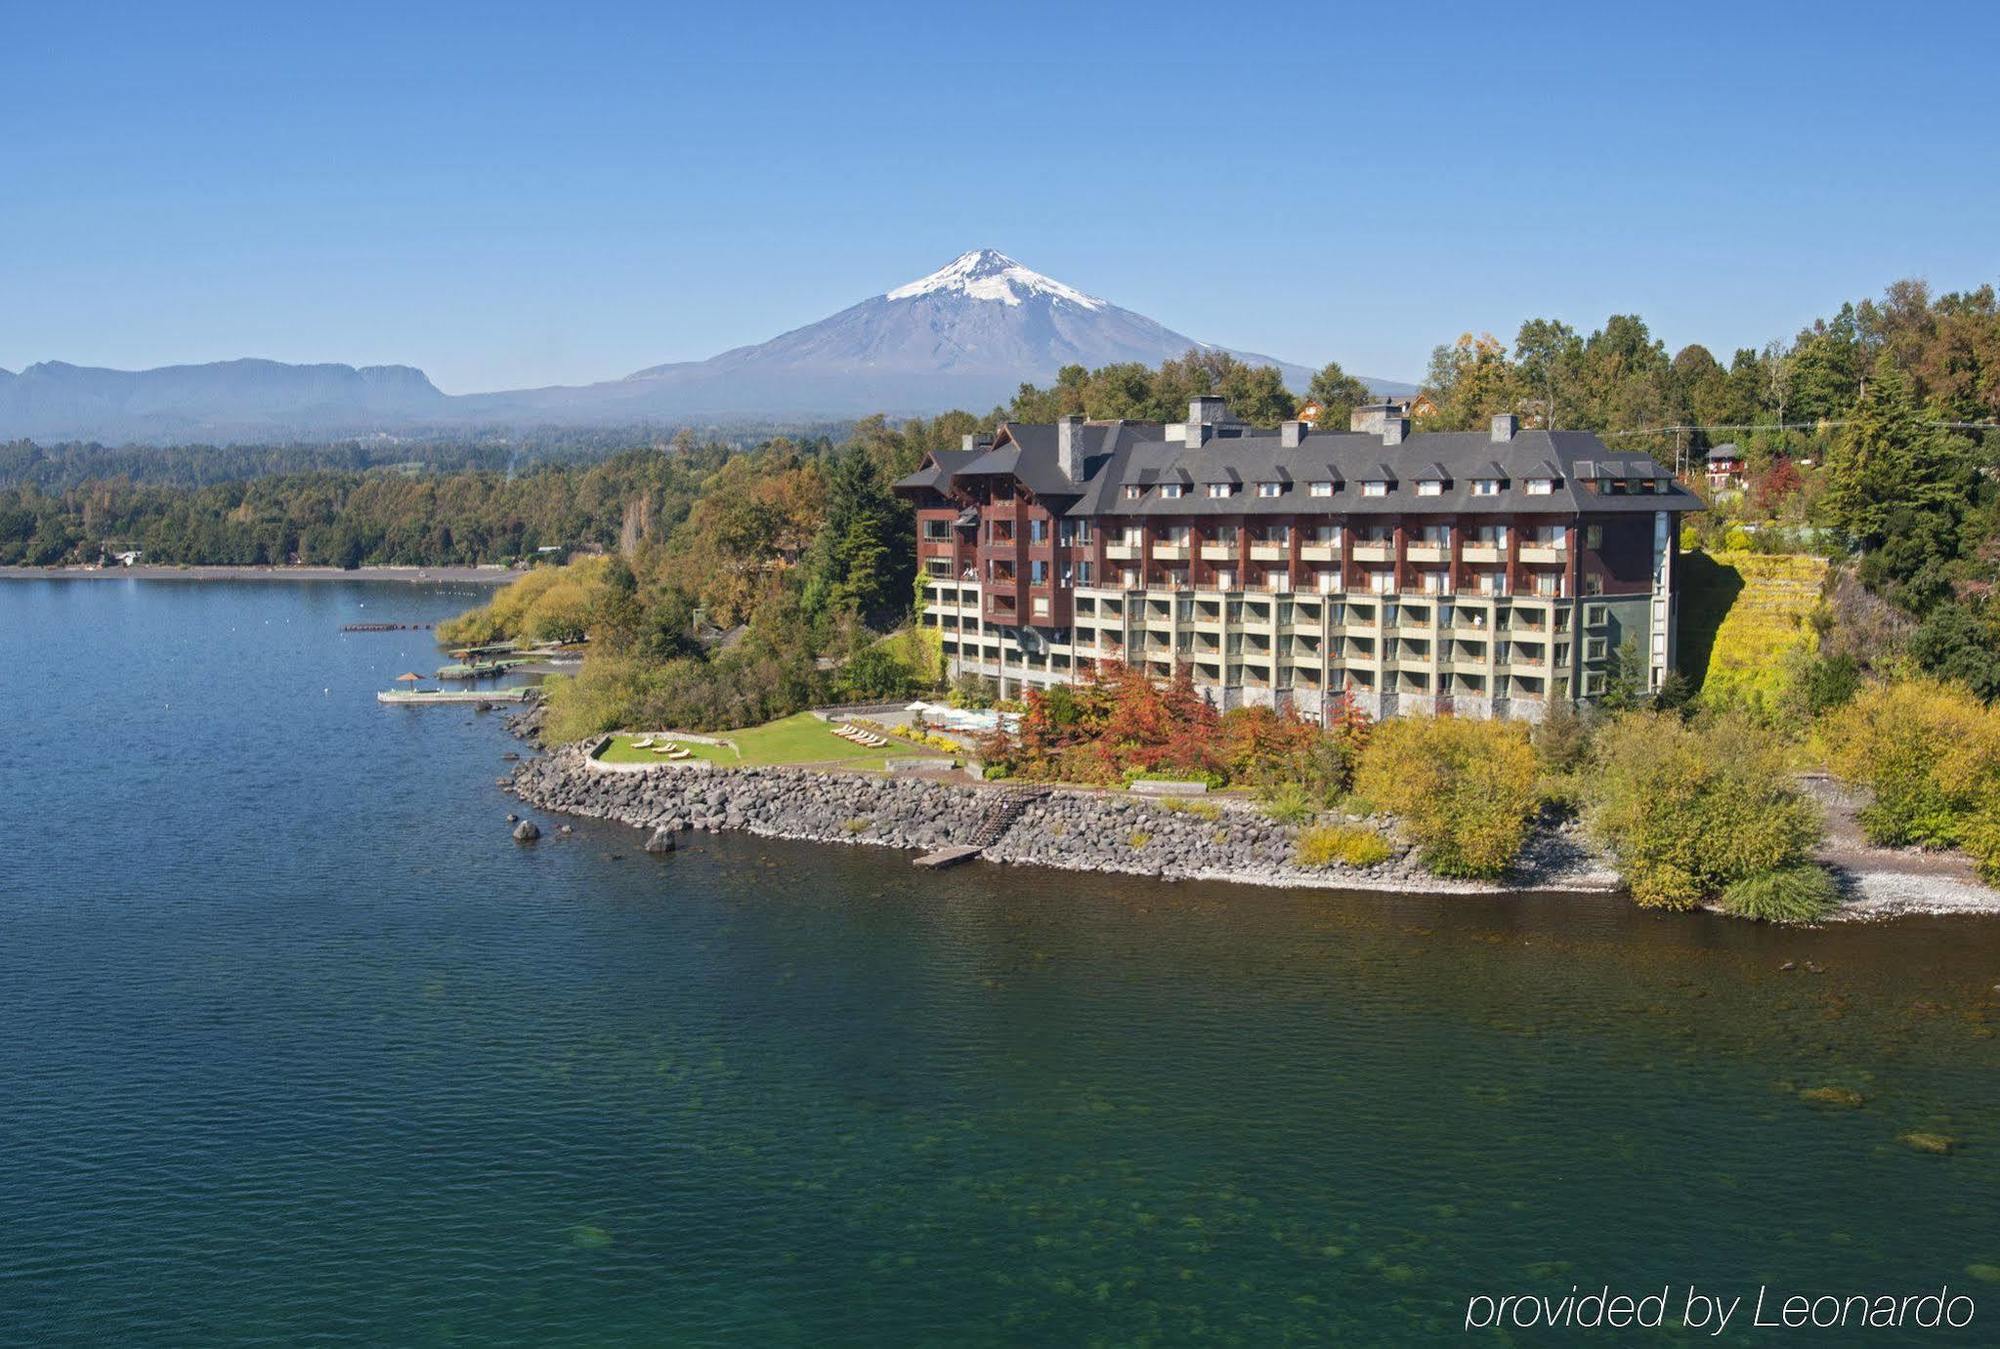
1725 451
1454 458
1027 451
937 469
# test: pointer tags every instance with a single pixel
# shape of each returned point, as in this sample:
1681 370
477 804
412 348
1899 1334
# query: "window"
937 531
1593 536
1541 487
1269 489
1074 531
1170 490
1083 573
1322 489
1486 487
1133 491
1221 489
1374 489
1226 535
1133 536
1593 584
1430 488
1038 531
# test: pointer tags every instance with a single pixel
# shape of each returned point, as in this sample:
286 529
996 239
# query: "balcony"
1542 552
1424 552
1170 552
1318 552
1122 552
1218 552
1373 552
1480 552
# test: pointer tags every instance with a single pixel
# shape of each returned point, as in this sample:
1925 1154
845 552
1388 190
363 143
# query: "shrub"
1462 790
1341 844
875 672
1802 893
1201 810
1138 838
1289 803
1931 754
545 604
1689 810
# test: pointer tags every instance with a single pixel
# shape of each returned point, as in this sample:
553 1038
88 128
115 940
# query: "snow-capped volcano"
987 274
966 336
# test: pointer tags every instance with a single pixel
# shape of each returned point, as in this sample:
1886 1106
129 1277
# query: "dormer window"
1486 487
1430 487
1322 489
1133 491
1269 489
1222 489
1541 487
1374 489
1170 490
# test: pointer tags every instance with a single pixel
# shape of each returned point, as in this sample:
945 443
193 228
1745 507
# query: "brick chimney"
1290 434
1069 446
1505 425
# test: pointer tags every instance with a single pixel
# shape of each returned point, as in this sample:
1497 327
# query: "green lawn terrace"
801 740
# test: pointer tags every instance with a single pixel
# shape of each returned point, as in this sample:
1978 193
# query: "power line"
1788 426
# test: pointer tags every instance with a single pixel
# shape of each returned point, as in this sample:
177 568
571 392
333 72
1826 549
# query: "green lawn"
803 738
620 750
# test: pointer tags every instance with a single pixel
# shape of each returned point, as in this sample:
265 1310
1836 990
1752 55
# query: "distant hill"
223 401
965 336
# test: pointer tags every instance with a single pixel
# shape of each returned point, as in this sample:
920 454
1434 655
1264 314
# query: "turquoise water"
296 1043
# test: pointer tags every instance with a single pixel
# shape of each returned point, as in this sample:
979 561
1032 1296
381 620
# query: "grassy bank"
799 739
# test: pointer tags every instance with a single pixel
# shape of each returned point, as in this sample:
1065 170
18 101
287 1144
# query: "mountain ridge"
966 335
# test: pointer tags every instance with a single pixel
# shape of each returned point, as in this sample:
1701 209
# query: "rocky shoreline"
1072 830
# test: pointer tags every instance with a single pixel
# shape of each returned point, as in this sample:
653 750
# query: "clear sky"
560 192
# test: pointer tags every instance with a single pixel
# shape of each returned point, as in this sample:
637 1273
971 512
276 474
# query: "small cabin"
1725 467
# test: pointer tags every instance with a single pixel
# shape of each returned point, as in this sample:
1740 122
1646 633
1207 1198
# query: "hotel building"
1482 572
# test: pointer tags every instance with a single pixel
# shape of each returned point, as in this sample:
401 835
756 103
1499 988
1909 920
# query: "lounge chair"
661 749
643 743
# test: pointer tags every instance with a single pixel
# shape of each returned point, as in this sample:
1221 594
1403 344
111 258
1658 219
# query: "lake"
296 1043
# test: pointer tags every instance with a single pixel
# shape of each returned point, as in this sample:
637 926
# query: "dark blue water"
296 1044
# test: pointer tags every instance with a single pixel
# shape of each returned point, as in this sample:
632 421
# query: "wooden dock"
946 857
423 697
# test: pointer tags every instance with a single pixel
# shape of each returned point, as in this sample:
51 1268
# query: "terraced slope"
1740 614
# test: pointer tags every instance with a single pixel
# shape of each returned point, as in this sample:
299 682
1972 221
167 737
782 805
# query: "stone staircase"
1000 815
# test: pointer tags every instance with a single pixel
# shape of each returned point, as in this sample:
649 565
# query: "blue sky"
510 195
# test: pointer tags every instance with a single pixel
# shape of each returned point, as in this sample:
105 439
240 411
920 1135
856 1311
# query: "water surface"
296 1043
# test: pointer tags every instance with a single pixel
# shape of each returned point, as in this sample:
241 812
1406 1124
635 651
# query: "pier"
420 697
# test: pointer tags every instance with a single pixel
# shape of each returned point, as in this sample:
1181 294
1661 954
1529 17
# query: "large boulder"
527 831
660 840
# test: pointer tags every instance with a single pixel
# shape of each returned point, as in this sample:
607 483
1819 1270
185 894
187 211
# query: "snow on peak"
984 274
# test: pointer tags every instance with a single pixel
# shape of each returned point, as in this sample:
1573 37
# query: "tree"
1690 811
1549 355
1337 393
1462 790
1471 381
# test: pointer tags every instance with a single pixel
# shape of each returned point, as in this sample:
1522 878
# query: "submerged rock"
660 840
1830 1095
1926 1142
527 831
